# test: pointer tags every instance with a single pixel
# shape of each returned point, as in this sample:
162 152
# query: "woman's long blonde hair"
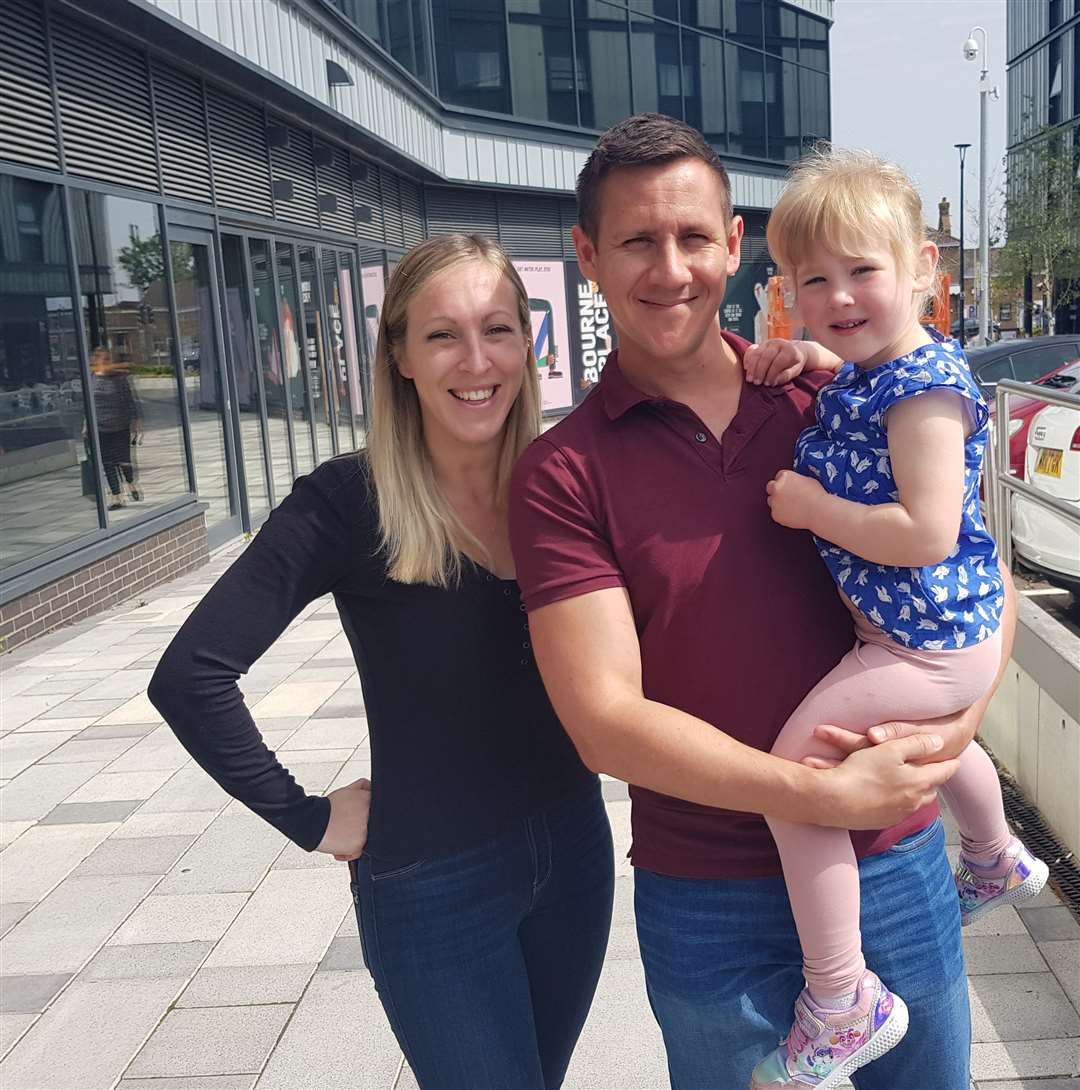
422 535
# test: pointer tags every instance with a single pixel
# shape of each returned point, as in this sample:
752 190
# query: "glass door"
321 383
339 287
199 323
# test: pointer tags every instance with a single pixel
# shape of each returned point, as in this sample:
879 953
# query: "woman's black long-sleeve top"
463 737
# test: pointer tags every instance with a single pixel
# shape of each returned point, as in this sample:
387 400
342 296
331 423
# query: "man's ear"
586 252
734 244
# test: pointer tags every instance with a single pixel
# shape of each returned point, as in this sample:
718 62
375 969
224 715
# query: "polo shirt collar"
620 395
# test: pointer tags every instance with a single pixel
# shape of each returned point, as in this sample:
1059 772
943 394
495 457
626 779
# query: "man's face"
662 257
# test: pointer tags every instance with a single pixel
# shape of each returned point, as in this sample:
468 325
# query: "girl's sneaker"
825 1046
1016 877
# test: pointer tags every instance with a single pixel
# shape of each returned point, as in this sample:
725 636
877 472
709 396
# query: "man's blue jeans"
486 961
723 968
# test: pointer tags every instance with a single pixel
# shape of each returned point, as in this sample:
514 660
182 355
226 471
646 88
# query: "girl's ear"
926 266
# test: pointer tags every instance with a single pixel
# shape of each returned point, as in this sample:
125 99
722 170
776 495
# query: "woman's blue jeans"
486 961
723 968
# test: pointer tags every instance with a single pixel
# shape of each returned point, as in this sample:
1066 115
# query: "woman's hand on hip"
346 832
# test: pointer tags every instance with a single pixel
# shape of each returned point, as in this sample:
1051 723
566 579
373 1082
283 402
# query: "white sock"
835 1002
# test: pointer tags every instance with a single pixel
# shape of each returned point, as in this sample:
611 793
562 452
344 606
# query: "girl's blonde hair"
842 199
422 535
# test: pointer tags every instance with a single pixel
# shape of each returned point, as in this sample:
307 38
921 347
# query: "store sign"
594 334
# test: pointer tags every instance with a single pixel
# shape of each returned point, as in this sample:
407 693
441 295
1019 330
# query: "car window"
1037 362
994 370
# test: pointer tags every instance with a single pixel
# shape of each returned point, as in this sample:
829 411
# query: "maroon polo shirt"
736 615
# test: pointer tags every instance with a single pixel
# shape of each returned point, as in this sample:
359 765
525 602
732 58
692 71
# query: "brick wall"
105 583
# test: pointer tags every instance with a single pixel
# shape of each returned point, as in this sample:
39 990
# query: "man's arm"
956 730
619 731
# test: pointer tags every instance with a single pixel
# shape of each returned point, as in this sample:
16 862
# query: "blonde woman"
480 853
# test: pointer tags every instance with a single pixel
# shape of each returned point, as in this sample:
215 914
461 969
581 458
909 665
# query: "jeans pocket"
919 839
378 876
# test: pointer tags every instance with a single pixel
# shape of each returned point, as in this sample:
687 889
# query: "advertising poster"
746 301
345 347
594 335
373 288
545 281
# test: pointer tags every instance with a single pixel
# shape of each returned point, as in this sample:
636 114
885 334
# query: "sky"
902 88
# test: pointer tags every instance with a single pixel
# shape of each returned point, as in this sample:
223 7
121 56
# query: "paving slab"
1025 1007
88 1036
1050 924
136 710
189 789
75 813
146 961
240 985
295 698
30 994
135 855
198 1082
211 1041
345 953
329 733
19 751
231 856
158 750
1064 961
11 912
77 706
70 924
33 793
12 1027
184 823
1002 954
1025 1059
11 831
38 726
265 931
338 1039
191 918
46 854
118 730
88 749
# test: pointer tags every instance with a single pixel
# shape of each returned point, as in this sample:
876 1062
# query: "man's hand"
775 361
793 499
880 786
346 832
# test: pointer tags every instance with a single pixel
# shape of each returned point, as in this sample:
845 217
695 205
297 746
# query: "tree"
1043 215
142 260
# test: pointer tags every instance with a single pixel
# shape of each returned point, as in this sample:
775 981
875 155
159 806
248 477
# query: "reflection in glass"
289 306
746 101
782 106
814 42
320 381
344 349
271 360
245 371
470 44
125 301
48 488
703 60
603 63
202 377
542 60
814 105
654 61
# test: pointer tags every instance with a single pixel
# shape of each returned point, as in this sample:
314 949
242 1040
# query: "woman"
483 879
119 423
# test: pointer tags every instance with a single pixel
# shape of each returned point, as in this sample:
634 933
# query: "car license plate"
1049 463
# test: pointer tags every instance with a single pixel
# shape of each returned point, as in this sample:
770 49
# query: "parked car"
971 329
1044 541
1026 360
1023 409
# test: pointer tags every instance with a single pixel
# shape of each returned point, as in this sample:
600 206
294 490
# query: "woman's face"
466 354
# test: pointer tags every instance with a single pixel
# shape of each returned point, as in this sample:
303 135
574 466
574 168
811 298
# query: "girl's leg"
873 683
973 796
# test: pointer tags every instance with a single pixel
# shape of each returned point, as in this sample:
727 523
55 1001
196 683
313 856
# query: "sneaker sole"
886 1039
1030 887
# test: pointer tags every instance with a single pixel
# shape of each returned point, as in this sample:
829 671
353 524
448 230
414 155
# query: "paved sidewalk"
157 936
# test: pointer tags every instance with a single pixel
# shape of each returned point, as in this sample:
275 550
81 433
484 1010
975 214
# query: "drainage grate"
1038 837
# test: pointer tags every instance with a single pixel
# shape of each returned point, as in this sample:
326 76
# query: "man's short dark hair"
644 140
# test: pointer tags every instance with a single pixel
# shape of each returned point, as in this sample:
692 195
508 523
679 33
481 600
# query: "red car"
1022 409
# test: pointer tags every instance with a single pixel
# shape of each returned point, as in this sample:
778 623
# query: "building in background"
1043 104
200 203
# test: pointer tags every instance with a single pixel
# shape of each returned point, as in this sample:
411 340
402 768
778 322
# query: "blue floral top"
937 608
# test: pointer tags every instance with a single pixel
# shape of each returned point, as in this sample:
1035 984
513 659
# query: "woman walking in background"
119 423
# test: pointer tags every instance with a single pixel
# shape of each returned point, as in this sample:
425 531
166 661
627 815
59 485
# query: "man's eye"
637 240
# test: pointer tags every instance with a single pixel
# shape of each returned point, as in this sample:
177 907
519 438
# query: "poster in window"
545 282
594 334
373 287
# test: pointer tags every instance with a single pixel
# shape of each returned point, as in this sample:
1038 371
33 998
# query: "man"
677 627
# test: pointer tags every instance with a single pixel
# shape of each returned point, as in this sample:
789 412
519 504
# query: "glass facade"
751 74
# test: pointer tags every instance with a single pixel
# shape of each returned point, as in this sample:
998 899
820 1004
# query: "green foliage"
144 263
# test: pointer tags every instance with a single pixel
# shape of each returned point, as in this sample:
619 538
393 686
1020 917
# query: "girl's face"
466 354
862 307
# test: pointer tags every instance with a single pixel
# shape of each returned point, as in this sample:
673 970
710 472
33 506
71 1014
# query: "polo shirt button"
526 645
701 437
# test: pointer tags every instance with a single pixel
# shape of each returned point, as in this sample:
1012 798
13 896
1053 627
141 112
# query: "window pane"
272 362
746 27
294 372
406 25
541 60
470 44
603 63
782 104
320 381
125 302
781 30
746 101
814 106
707 14
338 286
654 62
814 42
242 353
47 486
1035 364
703 61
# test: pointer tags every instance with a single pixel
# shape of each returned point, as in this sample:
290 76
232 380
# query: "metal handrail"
1000 482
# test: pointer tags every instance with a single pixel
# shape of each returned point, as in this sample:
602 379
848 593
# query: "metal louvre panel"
367 194
104 93
460 210
391 206
754 247
27 123
568 213
182 139
238 148
294 163
413 228
530 226
335 180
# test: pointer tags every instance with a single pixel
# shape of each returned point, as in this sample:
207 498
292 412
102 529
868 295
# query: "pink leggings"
876 682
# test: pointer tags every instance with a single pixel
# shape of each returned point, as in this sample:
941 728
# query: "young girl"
887 481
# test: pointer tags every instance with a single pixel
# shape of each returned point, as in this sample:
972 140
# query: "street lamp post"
962 148
971 52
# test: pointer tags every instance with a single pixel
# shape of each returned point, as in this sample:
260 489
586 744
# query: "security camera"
971 49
